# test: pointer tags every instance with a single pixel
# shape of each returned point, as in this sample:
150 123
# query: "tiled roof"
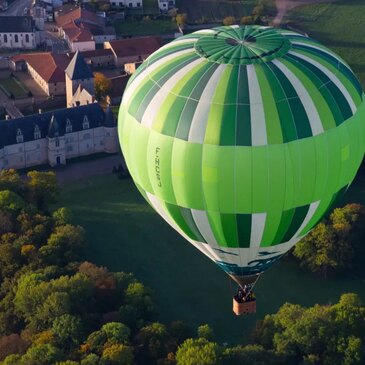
78 15
50 66
97 53
9 128
77 34
136 46
17 24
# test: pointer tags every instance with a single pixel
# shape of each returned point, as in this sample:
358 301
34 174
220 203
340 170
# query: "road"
17 7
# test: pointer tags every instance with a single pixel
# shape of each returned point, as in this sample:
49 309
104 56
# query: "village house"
54 137
133 50
127 3
82 29
165 5
19 32
46 69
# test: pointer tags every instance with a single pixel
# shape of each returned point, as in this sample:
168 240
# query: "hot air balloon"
242 139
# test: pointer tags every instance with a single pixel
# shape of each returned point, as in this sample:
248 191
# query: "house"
133 50
47 70
165 5
54 137
18 32
130 68
81 28
79 82
127 3
99 58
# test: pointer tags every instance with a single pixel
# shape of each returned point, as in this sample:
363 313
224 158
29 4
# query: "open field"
206 11
11 86
124 233
144 27
340 26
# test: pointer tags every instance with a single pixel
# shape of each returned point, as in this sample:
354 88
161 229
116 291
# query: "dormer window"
57 142
86 123
19 136
68 126
37 132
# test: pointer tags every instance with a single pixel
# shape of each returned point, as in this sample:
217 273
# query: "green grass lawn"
144 27
206 11
124 233
12 86
340 26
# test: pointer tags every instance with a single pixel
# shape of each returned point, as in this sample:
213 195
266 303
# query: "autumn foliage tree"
101 84
333 245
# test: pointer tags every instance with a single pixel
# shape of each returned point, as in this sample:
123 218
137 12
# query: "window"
19 136
16 38
69 148
87 136
5 38
130 5
86 123
57 142
27 38
101 143
138 4
37 132
38 146
68 126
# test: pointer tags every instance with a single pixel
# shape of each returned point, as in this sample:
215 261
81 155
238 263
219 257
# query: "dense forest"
57 308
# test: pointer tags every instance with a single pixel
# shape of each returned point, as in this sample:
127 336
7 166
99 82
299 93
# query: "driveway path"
80 170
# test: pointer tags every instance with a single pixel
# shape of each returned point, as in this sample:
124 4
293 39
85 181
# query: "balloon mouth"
245 280
238 42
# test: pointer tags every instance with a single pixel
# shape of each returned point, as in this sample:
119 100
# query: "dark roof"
17 24
9 128
54 130
97 53
78 69
136 46
109 118
118 85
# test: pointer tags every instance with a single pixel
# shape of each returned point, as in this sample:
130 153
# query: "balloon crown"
242 45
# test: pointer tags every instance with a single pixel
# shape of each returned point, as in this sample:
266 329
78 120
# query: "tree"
181 20
331 246
12 344
246 20
334 334
205 331
229 20
102 85
11 201
90 359
117 354
62 216
68 329
43 188
41 355
198 351
250 354
116 332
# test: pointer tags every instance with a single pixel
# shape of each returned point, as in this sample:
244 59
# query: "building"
54 137
133 50
19 32
99 58
47 70
165 5
127 3
79 82
81 28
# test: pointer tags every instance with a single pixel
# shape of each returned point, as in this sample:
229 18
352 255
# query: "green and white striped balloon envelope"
242 138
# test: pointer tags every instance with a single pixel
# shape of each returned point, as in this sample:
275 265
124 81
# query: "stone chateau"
83 128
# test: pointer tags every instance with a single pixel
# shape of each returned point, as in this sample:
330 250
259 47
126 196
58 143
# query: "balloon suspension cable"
250 281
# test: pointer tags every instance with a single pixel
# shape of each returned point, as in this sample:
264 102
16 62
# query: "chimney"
39 111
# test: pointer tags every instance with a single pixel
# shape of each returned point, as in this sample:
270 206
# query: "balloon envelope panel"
242 138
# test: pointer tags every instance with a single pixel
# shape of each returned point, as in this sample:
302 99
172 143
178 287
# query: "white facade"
55 151
19 40
127 3
165 5
81 46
